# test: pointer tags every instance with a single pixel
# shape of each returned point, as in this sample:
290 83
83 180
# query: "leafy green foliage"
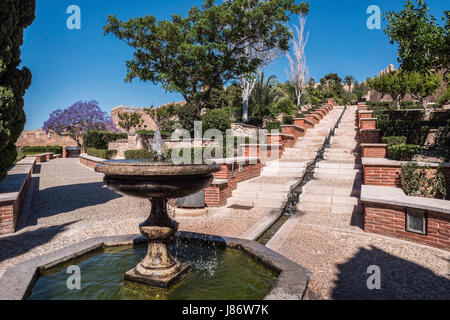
422 85
101 153
206 49
392 141
391 83
187 115
216 119
403 152
444 98
101 139
265 94
288 120
443 142
15 16
139 154
284 106
40 149
420 182
275 125
422 43
130 120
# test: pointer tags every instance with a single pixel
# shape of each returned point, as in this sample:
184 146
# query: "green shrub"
193 153
299 115
403 152
443 142
415 181
276 125
392 141
101 139
284 106
255 121
101 153
216 119
414 131
40 149
146 132
288 120
139 154
187 115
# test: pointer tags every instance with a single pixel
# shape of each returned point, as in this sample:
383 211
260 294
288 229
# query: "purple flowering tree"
76 120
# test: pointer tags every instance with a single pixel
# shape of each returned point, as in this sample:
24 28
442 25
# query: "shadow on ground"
400 279
18 244
68 198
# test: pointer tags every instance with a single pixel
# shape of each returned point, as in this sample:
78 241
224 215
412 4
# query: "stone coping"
366 119
38 155
292 283
365 111
384 162
293 126
245 125
260 145
374 145
13 183
240 160
379 130
91 158
280 134
396 197
218 182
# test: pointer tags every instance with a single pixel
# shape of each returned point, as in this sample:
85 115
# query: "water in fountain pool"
217 273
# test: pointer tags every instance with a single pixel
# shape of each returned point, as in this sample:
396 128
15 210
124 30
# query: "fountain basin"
157 181
291 281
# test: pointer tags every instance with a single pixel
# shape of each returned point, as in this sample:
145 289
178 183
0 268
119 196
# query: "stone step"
330 208
329 199
283 174
283 184
286 164
338 171
350 191
260 195
337 176
337 165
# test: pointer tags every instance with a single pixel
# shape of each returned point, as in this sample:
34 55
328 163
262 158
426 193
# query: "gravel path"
73 205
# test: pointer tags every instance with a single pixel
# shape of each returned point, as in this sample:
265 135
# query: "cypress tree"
15 16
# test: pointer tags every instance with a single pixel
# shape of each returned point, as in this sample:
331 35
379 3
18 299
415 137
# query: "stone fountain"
157 181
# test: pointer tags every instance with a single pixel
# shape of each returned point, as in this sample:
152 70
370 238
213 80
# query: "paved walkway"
72 205
326 236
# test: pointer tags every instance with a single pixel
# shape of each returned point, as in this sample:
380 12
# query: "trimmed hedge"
403 152
288 120
41 149
101 153
392 141
101 139
216 119
139 154
276 125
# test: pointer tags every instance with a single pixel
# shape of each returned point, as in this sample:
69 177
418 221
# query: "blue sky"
73 65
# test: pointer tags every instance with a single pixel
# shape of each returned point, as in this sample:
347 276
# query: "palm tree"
264 95
349 81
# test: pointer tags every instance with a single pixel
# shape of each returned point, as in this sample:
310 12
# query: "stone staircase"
336 185
279 177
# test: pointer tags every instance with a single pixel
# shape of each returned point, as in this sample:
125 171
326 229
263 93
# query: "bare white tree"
298 71
248 81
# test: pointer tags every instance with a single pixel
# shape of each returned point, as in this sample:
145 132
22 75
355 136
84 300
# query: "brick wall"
390 220
370 136
368 123
217 194
373 150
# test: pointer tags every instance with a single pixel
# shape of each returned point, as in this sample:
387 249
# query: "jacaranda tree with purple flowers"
78 119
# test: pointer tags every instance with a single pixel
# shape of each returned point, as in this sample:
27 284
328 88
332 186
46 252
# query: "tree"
79 118
360 90
422 85
331 87
423 45
349 80
193 55
392 83
264 96
15 16
298 71
130 120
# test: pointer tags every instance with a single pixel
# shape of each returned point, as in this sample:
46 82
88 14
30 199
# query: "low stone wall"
386 213
89 161
13 192
385 172
373 150
244 130
40 158
233 171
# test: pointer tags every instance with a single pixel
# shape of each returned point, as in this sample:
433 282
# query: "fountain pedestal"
158 268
